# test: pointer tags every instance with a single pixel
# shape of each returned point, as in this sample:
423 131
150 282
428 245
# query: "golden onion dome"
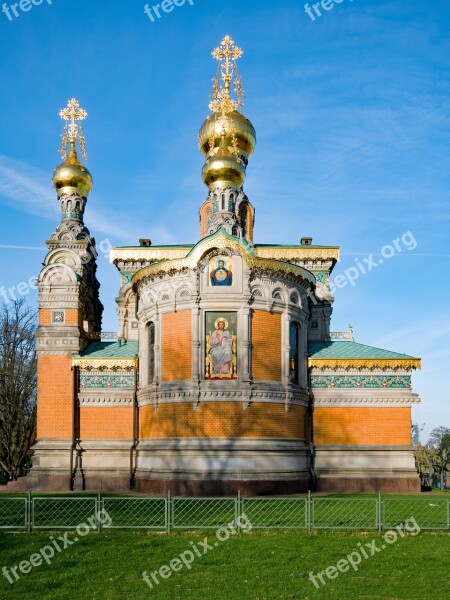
235 123
223 169
71 177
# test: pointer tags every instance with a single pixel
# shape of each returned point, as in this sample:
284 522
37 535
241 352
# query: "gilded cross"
72 114
227 53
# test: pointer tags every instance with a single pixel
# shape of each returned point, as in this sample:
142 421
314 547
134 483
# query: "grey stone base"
205 488
360 485
362 469
107 482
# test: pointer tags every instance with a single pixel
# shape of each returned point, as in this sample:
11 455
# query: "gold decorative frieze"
303 253
365 363
148 254
105 363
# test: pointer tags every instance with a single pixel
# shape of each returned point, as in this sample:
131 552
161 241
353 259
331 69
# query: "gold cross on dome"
227 53
72 115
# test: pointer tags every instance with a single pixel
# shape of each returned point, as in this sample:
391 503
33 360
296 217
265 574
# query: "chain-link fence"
380 513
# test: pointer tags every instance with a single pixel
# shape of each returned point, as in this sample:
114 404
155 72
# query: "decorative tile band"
107 381
322 276
126 278
364 381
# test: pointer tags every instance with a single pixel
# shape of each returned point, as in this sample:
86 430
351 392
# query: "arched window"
151 352
243 219
293 352
223 201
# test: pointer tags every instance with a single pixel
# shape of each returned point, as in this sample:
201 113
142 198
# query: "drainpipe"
133 450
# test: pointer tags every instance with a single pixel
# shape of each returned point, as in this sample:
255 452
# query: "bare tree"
17 387
416 430
436 436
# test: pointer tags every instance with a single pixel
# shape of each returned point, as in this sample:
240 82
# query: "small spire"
227 54
73 131
222 104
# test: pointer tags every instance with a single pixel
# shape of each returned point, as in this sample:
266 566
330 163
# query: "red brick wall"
109 423
222 419
177 346
266 346
55 397
363 426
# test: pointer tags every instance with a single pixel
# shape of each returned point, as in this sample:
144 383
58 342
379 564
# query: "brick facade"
362 426
266 346
106 423
55 394
222 420
177 346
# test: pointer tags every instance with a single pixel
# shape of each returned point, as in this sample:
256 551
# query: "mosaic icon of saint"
221 342
221 275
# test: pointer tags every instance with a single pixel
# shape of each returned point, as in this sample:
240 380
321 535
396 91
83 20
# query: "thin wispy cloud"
27 189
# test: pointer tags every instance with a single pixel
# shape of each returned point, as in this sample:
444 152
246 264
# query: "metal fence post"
238 511
99 508
309 512
380 513
28 511
169 513
448 514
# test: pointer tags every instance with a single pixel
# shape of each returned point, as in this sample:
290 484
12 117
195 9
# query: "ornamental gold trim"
105 363
365 363
170 267
299 253
148 253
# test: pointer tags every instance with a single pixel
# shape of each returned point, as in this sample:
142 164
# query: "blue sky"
352 113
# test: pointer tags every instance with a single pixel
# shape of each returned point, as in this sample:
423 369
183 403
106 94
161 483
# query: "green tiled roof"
337 350
110 350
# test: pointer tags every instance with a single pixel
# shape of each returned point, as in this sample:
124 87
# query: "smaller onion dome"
71 177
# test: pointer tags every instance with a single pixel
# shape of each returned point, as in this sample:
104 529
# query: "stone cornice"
105 401
367 402
248 397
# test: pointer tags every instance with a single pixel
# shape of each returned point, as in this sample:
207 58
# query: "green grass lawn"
250 566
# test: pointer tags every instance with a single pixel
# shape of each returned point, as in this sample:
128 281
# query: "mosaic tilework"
363 381
322 276
107 381
125 278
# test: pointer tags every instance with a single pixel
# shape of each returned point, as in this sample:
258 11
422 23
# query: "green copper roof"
110 350
324 350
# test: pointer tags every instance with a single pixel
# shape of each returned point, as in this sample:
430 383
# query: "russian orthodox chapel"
224 375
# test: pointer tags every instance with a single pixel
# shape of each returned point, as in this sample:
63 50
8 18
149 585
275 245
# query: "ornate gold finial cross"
227 54
72 115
